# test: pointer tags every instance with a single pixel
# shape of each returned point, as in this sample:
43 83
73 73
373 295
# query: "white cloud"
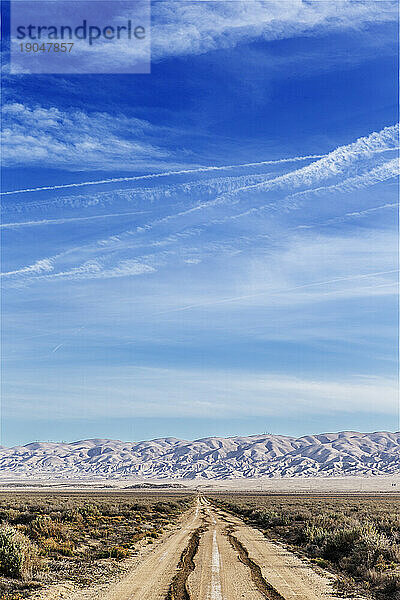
340 161
388 170
78 140
65 221
197 170
304 270
97 268
151 391
190 234
40 266
200 27
351 215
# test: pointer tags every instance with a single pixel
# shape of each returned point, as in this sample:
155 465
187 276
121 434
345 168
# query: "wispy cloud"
351 215
95 269
166 237
339 161
65 221
204 169
203 27
371 177
99 268
40 266
200 27
289 290
78 140
152 391
179 221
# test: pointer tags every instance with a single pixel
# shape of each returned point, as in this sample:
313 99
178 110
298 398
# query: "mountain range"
255 456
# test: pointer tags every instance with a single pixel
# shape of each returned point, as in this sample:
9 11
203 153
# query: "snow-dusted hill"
344 453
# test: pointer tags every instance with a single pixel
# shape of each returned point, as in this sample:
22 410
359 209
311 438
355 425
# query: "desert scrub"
84 537
52 546
118 552
19 557
45 527
358 539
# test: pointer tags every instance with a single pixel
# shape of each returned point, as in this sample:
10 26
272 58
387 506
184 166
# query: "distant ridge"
255 456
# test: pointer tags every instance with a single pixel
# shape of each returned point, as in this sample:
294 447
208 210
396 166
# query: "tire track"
178 588
265 588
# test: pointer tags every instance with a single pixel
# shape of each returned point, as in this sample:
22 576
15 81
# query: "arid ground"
186 545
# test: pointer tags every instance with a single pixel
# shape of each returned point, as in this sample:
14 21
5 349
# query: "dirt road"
215 556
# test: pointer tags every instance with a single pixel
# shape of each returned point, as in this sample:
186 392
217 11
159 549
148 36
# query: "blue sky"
210 249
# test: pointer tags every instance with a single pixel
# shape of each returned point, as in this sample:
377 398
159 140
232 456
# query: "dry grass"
49 538
356 538
19 557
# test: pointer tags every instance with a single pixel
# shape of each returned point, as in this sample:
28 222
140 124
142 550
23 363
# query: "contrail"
56 348
62 221
164 174
342 218
272 292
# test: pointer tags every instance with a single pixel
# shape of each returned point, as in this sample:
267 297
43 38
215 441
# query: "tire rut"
265 588
178 588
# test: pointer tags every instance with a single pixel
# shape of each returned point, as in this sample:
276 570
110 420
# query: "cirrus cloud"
78 140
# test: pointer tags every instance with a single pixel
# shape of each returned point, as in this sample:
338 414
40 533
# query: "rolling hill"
325 455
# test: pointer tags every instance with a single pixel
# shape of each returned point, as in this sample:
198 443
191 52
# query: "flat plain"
188 545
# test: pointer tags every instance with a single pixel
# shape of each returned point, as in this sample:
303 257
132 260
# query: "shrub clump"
358 539
118 552
19 557
44 527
